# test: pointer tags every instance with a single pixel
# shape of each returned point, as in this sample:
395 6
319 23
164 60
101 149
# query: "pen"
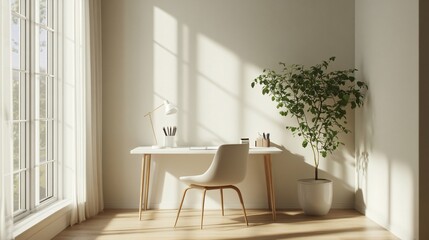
165 132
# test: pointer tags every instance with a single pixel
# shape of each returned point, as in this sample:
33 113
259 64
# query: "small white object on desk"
204 148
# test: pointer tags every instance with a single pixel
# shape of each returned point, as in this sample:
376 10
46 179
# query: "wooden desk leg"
270 187
142 185
267 181
147 174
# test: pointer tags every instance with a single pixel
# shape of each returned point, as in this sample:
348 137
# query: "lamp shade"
169 108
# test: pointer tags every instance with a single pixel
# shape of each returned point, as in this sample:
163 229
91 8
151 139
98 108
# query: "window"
34 104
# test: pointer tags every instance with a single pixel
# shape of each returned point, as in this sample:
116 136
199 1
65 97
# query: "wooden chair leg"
242 203
221 201
181 204
202 210
204 199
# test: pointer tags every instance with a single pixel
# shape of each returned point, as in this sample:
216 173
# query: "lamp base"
157 146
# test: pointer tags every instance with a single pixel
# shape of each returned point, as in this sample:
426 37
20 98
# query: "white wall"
387 127
202 56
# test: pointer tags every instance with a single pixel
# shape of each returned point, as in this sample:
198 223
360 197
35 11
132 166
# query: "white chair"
228 167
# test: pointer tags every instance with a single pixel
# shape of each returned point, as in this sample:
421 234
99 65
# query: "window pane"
41 104
41 146
43 51
16 42
14 5
46 183
50 53
43 12
50 180
16 146
19 191
16 95
42 182
16 192
41 96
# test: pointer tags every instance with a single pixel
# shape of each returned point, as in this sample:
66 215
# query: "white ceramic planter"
315 196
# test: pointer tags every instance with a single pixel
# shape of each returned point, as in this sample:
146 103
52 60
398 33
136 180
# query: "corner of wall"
424 119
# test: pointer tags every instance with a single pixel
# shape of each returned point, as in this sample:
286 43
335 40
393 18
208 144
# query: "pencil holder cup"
169 141
265 142
260 142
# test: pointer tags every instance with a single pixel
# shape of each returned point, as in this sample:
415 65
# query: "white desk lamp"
169 109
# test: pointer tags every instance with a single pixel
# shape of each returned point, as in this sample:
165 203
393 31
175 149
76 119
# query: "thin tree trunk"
316 173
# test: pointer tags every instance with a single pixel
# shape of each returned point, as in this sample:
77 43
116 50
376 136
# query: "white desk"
147 152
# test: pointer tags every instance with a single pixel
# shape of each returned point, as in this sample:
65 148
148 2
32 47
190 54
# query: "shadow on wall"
362 160
287 168
364 135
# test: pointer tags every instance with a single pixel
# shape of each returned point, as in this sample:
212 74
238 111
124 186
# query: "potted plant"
319 100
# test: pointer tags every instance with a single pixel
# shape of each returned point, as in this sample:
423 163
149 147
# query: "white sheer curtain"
6 192
94 200
82 104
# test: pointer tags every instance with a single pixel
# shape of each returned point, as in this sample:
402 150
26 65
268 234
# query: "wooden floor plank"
158 224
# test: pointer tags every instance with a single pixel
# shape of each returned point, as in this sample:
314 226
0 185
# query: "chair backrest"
229 165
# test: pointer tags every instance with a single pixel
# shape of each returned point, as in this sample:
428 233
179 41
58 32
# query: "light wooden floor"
158 224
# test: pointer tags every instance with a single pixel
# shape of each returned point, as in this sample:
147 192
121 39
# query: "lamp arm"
153 110
151 124
153 130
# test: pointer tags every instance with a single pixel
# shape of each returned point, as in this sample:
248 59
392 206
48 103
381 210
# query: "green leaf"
253 84
304 143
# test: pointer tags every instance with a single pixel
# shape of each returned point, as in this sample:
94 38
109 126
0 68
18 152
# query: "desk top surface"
198 150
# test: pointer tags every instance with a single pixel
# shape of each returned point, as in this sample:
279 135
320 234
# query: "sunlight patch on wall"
165 29
165 55
402 196
388 192
165 73
166 63
378 161
218 88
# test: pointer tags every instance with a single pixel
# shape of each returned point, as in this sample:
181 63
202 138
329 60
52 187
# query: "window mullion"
33 63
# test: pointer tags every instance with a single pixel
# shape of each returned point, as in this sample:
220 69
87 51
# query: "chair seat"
203 180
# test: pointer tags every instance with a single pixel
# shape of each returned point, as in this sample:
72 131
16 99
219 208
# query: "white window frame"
31 201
